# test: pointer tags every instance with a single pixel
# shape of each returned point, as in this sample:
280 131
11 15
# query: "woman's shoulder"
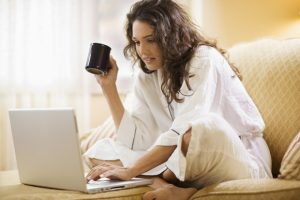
205 51
204 57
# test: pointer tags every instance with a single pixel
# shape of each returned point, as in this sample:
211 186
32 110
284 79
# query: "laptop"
48 152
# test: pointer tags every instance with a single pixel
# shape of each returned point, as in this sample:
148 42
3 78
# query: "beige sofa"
271 72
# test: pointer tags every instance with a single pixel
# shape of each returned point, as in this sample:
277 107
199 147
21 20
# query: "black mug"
98 59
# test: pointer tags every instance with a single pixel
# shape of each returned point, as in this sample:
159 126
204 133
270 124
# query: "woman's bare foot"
170 192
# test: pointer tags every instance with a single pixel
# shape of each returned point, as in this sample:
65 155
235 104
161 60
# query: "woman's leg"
166 191
211 152
215 154
168 175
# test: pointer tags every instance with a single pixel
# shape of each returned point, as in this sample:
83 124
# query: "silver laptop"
48 153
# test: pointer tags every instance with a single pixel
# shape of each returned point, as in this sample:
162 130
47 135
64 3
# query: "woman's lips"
148 60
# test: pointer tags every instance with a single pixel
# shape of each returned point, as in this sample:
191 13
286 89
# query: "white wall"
232 21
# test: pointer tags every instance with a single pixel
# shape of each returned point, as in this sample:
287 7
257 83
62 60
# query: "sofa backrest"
271 74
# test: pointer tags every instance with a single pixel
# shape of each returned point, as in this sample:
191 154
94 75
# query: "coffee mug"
98 59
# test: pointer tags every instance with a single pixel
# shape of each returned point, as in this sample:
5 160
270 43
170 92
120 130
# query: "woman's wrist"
109 89
132 172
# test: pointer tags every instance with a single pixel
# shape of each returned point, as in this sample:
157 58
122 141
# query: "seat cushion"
271 74
290 165
25 192
12 189
259 189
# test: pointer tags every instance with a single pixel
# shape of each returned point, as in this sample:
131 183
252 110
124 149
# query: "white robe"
150 121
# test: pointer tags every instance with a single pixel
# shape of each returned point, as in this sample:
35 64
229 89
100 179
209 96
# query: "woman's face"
146 46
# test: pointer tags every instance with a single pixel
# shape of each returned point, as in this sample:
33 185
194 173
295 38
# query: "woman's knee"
211 126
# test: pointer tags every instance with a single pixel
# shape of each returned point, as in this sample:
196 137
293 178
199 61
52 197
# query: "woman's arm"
109 88
153 158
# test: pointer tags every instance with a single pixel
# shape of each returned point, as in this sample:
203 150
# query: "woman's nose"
143 49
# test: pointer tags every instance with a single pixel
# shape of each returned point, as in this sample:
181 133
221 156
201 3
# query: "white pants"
216 154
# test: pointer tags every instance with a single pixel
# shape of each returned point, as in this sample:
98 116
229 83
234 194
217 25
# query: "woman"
192 123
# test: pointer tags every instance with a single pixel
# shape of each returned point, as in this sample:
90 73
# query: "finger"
108 174
90 172
113 63
115 174
89 176
98 78
96 172
113 60
95 175
149 196
105 164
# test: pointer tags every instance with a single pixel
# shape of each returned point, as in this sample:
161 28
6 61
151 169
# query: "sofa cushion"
255 189
12 189
271 74
290 165
26 192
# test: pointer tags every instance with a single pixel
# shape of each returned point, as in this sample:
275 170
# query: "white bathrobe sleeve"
197 101
138 129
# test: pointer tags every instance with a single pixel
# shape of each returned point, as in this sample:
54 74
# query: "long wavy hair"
176 35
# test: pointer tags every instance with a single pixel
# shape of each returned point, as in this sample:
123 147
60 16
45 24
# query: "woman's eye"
150 40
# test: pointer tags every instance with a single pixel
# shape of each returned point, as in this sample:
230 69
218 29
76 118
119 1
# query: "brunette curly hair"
176 35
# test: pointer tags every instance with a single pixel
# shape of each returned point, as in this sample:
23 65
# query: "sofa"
271 74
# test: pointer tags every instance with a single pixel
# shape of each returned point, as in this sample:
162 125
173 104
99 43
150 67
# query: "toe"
149 196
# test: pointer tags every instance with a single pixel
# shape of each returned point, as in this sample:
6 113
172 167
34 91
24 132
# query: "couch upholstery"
271 74
271 71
